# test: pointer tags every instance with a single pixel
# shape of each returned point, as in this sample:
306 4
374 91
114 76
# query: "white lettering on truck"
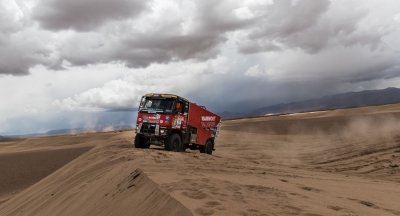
208 118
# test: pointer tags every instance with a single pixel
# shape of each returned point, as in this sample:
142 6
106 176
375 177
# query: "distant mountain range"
230 115
336 101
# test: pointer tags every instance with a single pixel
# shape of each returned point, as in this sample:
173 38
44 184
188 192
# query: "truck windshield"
156 105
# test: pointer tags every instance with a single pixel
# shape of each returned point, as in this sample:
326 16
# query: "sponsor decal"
140 119
161 121
208 118
151 119
208 124
216 131
166 122
167 117
174 123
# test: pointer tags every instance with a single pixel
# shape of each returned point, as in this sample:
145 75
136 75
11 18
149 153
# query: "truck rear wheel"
140 142
207 148
174 143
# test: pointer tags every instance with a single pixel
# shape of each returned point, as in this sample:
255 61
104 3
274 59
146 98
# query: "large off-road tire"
207 148
174 143
140 142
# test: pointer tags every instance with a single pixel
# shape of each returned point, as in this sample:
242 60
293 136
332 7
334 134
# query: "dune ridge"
94 185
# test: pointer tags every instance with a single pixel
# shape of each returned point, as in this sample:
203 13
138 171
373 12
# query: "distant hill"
229 115
8 138
336 101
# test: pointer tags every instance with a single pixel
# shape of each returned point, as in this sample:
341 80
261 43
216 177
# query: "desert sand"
339 162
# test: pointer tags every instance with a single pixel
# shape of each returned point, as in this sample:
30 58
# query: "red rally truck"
176 123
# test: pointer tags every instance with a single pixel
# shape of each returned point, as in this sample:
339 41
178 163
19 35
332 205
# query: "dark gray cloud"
144 49
283 18
14 62
162 42
10 56
309 25
219 17
284 23
18 54
85 15
151 48
159 36
381 70
257 46
21 45
138 33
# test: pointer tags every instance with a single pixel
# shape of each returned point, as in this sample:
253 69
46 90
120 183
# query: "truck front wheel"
207 148
140 142
174 143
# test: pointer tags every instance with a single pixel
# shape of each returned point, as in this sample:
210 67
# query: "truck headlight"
138 127
162 131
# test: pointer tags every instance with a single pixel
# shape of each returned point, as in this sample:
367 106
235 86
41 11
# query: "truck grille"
148 128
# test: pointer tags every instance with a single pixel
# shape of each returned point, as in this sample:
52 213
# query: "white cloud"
254 71
114 94
126 92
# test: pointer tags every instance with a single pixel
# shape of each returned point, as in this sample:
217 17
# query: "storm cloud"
85 15
311 26
98 55
168 36
138 34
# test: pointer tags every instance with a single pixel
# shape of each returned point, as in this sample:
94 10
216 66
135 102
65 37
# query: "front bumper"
152 129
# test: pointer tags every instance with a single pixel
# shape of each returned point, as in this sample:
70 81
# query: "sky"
82 63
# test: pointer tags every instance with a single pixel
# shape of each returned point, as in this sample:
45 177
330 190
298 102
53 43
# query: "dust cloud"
308 140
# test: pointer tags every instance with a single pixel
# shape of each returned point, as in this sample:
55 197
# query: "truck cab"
173 122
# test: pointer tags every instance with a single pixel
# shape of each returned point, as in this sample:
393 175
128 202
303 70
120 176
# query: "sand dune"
340 162
20 170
